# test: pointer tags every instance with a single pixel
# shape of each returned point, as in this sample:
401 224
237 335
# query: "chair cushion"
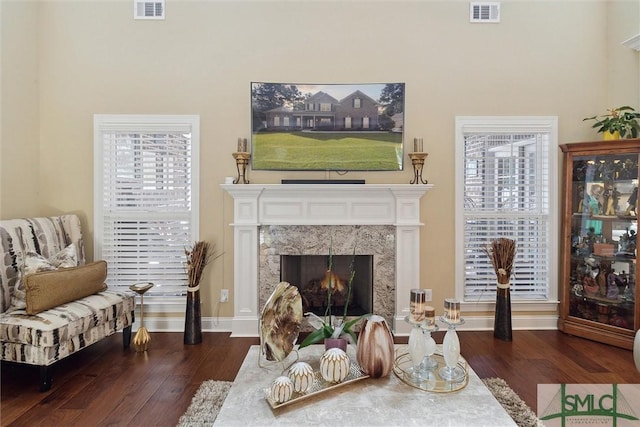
60 324
49 289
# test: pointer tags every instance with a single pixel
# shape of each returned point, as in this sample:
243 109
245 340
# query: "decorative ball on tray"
301 374
281 389
334 365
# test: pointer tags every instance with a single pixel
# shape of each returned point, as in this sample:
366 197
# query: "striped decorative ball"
334 365
301 373
281 389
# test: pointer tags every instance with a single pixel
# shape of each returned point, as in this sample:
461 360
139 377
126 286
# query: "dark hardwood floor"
106 385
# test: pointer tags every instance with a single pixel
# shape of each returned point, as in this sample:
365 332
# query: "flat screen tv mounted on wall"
327 127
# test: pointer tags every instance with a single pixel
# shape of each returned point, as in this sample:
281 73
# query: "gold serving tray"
434 383
319 386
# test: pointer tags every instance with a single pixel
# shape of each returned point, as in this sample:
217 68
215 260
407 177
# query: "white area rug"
511 402
205 404
209 398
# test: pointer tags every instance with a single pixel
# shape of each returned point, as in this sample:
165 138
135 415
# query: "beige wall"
545 58
19 136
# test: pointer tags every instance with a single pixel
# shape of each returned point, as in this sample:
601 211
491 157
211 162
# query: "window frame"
138 123
508 125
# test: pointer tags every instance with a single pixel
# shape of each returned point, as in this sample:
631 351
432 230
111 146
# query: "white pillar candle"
452 309
430 315
417 305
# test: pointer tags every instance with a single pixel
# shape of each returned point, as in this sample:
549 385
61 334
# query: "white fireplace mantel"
321 204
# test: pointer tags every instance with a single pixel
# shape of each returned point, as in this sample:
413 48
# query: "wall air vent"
148 9
484 12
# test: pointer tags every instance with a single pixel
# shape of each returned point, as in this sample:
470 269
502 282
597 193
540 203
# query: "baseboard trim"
249 328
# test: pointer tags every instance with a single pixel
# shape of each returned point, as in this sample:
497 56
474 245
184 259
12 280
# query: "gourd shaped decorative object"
281 389
334 365
301 373
375 347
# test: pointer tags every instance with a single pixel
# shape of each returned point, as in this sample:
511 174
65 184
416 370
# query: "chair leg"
45 378
126 336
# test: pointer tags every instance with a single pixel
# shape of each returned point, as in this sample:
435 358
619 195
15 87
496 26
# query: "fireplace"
274 220
311 275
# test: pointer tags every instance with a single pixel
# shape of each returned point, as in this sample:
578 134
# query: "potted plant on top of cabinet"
618 123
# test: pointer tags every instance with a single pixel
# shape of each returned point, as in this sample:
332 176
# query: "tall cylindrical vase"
193 317
502 321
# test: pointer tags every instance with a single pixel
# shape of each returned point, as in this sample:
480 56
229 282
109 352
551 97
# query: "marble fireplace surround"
379 209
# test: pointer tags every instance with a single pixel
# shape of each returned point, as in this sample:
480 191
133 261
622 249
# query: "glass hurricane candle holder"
451 352
429 363
417 350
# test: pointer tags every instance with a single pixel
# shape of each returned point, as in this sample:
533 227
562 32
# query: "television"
327 127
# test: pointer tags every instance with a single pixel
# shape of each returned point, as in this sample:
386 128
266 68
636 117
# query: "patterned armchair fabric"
53 334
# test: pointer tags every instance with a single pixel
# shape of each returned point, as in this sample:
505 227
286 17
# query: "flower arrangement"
330 326
501 253
198 256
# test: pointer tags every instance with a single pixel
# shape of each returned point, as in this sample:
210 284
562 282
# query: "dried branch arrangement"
198 256
502 253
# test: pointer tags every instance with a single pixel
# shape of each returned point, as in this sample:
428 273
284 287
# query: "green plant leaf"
316 336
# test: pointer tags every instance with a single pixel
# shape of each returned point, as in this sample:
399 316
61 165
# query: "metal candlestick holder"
242 161
142 337
417 160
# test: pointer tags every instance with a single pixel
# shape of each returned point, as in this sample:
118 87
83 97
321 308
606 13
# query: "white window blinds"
507 192
145 187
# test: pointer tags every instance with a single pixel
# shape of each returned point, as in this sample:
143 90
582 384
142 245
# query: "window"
285 120
357 102
325 107
506 186
146 190
365 122
347 122
276 121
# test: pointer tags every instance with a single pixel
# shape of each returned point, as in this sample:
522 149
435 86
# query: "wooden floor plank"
111 386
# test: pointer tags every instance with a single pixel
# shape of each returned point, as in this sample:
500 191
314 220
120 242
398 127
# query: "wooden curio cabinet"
598 283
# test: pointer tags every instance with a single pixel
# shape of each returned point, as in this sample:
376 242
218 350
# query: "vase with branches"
502 253
198 256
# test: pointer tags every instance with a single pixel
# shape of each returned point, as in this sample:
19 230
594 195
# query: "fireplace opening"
310 274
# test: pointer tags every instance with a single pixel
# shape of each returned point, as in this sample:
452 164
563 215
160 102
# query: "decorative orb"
334 365
281 389
301 373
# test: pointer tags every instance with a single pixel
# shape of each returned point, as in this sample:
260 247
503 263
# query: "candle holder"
451 352
417 160
142 337
242 161
417 350
429 363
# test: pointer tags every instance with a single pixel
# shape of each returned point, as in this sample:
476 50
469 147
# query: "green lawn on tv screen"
327 151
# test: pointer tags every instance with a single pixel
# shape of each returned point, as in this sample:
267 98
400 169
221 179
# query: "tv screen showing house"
328 127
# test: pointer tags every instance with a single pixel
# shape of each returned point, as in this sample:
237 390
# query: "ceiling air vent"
150 9
484 12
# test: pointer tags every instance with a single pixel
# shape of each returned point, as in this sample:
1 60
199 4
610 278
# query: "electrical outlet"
428 295
224 295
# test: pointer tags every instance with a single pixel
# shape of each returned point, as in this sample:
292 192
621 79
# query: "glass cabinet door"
603 229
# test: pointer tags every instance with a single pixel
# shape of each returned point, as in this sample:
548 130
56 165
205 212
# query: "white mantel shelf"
321 204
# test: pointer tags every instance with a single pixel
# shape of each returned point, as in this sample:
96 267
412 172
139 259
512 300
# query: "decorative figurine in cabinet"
598 287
